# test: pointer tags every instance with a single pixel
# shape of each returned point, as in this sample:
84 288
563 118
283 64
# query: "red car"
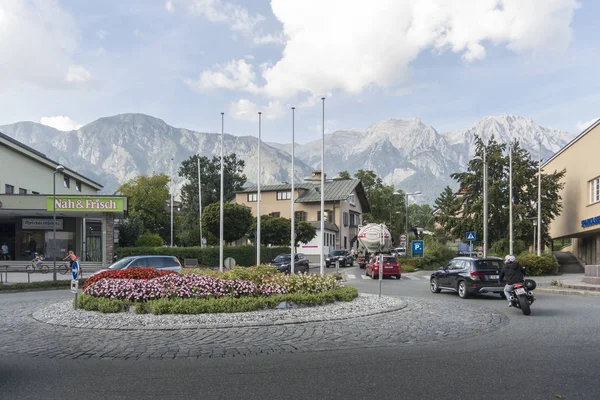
391 267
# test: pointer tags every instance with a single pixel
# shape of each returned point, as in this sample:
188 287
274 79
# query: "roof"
276 188
336 190
328 225
572 142
26 149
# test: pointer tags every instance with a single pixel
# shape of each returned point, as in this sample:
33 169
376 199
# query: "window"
275 214
35 192
252 197
328 216
354 219
22 191
9 189
595 190
346 218
300 215
284 195
352 199
78 186
66 181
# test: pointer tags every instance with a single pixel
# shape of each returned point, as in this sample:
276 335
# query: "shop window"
66 182
9 189
77 186
595 190
22 191
284 195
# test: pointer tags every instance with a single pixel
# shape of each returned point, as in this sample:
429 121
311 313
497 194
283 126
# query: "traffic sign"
418 248
75 269
471 236
229 262
74 286
403 237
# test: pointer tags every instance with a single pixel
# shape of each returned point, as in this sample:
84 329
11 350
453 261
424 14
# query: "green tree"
447 207
345 175
305 232
237 220
525 188
149 240
130 229
147 198
421 216
233 181
274 231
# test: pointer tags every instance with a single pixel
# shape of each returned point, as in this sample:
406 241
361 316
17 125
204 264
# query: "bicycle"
35 267
63 268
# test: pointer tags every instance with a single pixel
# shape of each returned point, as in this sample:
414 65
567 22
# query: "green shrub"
216 305
149 240
545 264
501 247
58 284
208 256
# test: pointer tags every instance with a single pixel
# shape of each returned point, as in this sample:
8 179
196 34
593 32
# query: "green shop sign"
85 203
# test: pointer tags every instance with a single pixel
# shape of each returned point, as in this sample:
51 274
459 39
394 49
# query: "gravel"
63 314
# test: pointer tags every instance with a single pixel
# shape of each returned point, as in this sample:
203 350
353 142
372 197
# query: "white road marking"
351 276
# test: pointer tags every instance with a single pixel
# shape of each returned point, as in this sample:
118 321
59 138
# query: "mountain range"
404 152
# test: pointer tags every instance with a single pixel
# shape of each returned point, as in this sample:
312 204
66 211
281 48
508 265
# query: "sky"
66 63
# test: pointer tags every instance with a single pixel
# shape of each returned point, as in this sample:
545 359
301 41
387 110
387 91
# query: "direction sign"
75 269
471 236
418 248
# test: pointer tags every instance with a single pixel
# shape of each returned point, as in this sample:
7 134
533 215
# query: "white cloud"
582 126
350 46
60 122
101 34
37 42
169 6
235 75
138 34
248 111
78 74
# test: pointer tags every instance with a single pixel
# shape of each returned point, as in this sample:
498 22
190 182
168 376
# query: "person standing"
4 252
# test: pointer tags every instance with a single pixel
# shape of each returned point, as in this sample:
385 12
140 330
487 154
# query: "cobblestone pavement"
420 322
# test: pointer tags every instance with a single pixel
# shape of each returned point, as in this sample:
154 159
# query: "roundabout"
55 330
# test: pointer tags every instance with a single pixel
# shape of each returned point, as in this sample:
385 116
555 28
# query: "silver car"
170 263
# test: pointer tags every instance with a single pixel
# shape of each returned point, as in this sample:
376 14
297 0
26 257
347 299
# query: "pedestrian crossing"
404 277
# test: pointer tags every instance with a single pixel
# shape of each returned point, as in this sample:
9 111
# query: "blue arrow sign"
75 270
471 236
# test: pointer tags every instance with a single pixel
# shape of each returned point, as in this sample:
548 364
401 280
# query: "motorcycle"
522 296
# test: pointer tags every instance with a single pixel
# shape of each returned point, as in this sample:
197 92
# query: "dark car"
468 276
158 262
283 264
343 256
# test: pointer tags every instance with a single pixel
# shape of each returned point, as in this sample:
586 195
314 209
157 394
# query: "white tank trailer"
375 238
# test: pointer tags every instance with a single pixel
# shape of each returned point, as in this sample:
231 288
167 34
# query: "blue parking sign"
418 248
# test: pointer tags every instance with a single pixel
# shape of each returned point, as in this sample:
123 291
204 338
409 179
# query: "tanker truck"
370 242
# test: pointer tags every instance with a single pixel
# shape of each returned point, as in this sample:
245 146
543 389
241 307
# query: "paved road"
440 347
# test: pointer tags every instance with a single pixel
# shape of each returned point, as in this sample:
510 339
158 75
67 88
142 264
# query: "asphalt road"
553 353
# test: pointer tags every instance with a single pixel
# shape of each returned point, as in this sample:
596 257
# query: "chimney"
316 176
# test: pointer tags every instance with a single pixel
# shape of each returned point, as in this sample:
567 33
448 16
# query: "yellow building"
580 216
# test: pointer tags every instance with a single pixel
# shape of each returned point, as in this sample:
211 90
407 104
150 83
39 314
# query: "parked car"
391 267
343 256
398 252
159 262
283 264
468 276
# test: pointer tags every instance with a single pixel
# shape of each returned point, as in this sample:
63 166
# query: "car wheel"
399 276
433 286
462 290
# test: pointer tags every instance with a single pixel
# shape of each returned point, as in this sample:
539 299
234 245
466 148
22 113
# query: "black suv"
343 256
282 262
468 276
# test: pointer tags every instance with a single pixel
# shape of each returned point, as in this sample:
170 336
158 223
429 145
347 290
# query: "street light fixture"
59 168
485 201
418 192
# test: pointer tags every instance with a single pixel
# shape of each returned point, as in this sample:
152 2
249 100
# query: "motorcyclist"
511 273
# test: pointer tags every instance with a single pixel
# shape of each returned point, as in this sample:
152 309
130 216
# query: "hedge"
208 256
58 284
545 264
215 305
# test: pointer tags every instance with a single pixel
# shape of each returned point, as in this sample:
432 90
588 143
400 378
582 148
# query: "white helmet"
509 259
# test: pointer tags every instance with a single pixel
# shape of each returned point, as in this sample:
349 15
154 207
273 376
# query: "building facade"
32 186
345 203
580 216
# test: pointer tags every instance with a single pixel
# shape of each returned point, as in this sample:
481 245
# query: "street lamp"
293 195
418 192
59 168
485 201
322 260
258 192
221 199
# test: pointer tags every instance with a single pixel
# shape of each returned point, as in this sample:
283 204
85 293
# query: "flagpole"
222 197
293 195
258 195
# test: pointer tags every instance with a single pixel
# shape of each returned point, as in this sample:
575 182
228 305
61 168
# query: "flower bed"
241 289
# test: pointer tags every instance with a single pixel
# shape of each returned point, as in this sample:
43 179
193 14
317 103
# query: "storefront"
579 219
84 224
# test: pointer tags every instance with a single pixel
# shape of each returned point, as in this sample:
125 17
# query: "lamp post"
200 201
221 199
171 190
321 260
539 204
534 228
485 200
409 194
258 194
510 203
293 195
59 168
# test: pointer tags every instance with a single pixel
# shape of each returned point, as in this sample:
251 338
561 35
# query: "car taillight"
477 276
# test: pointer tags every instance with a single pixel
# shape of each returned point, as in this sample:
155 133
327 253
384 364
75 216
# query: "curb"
568 291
